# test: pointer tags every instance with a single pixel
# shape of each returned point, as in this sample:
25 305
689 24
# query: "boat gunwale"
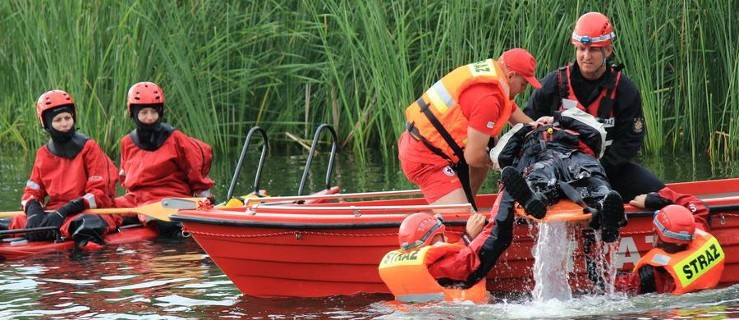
296 226
220 221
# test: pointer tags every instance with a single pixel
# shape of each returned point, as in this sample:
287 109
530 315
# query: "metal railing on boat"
356 210
239 164
335 196
332 158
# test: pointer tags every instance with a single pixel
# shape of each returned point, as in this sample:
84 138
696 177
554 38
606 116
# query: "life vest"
697 267
601 108
407 276
436 118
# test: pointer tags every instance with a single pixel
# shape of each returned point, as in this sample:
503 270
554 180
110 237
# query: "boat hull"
309 253
18 250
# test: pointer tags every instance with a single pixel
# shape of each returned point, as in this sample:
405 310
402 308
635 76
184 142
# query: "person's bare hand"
638 201
545 120
475 224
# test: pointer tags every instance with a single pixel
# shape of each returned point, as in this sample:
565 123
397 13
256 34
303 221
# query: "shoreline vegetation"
289 66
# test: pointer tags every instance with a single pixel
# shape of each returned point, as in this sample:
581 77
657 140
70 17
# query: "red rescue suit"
179 168
90 175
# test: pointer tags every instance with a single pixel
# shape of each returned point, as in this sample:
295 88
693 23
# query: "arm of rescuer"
34 190
102 177
195 158
627 135
667 196
471 264
518 116
33 197
649 279
481 104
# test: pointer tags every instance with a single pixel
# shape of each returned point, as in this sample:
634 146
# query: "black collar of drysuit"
150 137
66 144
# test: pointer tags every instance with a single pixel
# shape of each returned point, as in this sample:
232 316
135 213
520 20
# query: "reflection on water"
711 304
166 277
174 279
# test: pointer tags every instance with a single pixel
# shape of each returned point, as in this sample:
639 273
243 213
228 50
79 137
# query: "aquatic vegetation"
289 66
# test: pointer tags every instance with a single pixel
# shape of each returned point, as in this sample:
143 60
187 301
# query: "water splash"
552 263
599 259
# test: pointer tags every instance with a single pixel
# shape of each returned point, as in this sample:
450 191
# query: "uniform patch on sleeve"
491 124
448 171
638 125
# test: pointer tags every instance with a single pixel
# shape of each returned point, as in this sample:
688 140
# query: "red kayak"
324 245
19 248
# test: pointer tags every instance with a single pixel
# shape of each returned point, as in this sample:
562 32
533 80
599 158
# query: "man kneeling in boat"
685 258
559 160
427 268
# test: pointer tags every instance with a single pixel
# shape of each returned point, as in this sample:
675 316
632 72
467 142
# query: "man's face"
518 84
591 60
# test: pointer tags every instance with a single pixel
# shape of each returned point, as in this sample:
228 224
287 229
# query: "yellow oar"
157 210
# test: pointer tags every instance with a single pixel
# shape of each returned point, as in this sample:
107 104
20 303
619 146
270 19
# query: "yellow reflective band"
699 262
397 258
482 68
437 102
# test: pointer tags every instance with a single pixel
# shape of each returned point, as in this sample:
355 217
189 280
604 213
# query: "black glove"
34 217
646 277
53 219
34 214
56 218
654 201
71 208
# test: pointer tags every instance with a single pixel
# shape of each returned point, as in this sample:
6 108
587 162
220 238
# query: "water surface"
174 279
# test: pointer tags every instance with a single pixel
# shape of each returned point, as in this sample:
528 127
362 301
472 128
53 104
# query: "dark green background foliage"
288 66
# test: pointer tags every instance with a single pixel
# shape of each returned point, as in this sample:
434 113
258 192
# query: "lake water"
175 279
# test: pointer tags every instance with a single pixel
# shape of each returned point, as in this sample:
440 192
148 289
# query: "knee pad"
88 227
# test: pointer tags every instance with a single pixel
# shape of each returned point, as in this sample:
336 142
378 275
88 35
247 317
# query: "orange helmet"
593 29
52 99
674 224
418 229
144 93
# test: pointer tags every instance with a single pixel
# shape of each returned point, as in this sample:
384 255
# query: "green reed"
288 66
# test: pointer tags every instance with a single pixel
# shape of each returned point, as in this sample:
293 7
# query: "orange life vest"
407 276
698 267
437 113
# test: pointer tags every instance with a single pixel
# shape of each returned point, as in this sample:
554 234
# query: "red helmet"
418 229
144 93
593 29
674 224
52 99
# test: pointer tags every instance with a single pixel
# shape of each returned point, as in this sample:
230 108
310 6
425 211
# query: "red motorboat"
331 244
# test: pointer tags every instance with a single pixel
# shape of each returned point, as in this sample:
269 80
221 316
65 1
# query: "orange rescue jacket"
698 267
440 104
407 276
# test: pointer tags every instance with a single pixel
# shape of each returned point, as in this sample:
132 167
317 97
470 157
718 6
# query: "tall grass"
288 66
